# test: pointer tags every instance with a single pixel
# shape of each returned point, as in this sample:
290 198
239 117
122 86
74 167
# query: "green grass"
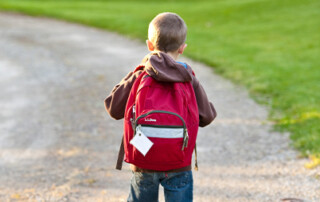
270 46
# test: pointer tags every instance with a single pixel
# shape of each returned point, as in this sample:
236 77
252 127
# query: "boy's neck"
173 55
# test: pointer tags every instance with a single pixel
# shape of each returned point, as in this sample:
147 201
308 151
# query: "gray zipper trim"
163 112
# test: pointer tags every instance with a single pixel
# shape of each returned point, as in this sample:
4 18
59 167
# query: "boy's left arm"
207 112
115 103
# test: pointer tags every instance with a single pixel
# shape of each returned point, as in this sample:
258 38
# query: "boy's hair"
167 32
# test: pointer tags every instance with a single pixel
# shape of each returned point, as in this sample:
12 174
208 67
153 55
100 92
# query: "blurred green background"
272 47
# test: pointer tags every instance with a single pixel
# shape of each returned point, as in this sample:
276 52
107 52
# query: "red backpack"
167 113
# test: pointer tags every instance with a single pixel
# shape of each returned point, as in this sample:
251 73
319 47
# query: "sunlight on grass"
314 162
304 117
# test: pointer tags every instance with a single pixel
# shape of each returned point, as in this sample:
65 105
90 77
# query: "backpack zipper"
160 126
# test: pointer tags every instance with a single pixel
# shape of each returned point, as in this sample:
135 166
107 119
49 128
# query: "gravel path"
58 144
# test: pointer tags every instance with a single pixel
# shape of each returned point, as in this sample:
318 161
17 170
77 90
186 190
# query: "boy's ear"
150 45
182 47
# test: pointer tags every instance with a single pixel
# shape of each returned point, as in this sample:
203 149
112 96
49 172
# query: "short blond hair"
167 32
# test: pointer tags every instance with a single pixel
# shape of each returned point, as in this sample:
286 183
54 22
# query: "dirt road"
58 144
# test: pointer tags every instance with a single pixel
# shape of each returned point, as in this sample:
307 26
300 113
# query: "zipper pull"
137 130
185 139
134 112
133 119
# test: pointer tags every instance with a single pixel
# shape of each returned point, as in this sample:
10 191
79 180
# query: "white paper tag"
141 142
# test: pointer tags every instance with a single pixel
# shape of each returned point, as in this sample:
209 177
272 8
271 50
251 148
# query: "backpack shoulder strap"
121 149
120 156
140 67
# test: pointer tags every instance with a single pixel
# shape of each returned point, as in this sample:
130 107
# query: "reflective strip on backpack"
161 132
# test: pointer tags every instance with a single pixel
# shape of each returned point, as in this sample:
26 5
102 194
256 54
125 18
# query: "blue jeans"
177 186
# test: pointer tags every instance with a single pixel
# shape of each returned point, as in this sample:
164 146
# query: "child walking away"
162 104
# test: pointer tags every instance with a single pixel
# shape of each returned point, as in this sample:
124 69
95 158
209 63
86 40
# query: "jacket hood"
162 67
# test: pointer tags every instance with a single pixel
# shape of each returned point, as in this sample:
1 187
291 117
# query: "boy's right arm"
115 103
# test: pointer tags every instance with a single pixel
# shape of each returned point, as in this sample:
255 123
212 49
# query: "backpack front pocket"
167 142
168 133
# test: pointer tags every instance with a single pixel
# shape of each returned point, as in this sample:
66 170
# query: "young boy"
166 41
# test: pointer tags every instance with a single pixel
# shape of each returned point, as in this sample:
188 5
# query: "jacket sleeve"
207 112
115 103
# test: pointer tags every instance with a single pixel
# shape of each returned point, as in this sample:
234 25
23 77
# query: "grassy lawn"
270 46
